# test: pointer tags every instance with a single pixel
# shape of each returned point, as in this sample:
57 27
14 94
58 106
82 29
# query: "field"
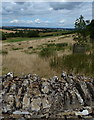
8 31
46 53
23 56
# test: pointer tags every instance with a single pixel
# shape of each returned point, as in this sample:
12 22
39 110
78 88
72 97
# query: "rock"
30 96
26 101
36 104
45 103
83 112
21 112
45 87
10 74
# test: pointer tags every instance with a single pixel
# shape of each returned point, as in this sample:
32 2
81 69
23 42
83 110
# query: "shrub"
17 48
3 52
3 36
47 52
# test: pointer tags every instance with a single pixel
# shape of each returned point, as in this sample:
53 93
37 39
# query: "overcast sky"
44 14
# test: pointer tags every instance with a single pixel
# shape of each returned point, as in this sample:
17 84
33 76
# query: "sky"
44 14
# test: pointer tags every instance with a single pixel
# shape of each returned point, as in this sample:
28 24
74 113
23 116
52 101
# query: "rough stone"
30 96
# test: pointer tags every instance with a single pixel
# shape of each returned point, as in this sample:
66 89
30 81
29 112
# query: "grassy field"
76 63
45 56
19 39
23 56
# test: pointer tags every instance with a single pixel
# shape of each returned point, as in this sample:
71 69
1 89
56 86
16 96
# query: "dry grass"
8 31
19 62
0 58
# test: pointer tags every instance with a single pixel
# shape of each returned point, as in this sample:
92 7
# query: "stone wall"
30 96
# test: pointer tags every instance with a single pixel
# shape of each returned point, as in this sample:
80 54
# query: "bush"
47 52
32 34
3 36
17 48
3 52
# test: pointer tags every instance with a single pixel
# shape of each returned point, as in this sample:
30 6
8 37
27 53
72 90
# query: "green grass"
47 52
3 52
19 39
50 49
77 63
58 33
42 35
17 48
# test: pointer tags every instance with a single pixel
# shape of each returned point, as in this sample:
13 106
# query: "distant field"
19 39
8 31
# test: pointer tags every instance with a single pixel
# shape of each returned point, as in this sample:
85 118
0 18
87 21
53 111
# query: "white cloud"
14 21
62 21
40 14
50 9
37 21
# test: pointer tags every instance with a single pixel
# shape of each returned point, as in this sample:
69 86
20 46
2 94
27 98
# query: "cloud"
14 21
65 5
50 9
37 21
62 21
49 14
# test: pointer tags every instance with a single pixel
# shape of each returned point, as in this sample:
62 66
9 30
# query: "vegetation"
50 49
3 52
2 36
47 52
77 63
81 29
33 34
17 48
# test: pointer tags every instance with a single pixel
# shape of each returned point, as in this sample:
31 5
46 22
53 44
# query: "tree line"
20 33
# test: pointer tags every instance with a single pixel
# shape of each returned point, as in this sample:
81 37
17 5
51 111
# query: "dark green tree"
81 28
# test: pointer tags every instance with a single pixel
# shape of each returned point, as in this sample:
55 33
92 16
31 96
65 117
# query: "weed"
3 52
47 52
78 63
17 48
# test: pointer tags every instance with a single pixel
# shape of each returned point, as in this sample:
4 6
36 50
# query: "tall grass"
77 63
51 49
47 52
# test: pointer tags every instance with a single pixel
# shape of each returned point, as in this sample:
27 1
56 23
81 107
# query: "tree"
81 28
91 29
3 36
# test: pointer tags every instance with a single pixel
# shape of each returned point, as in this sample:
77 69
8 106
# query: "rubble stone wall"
34 97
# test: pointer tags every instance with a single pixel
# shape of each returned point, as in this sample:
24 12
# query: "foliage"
51 49
91 29
23 33
3 52
77 63
2 36
17 48
81 28
47 52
